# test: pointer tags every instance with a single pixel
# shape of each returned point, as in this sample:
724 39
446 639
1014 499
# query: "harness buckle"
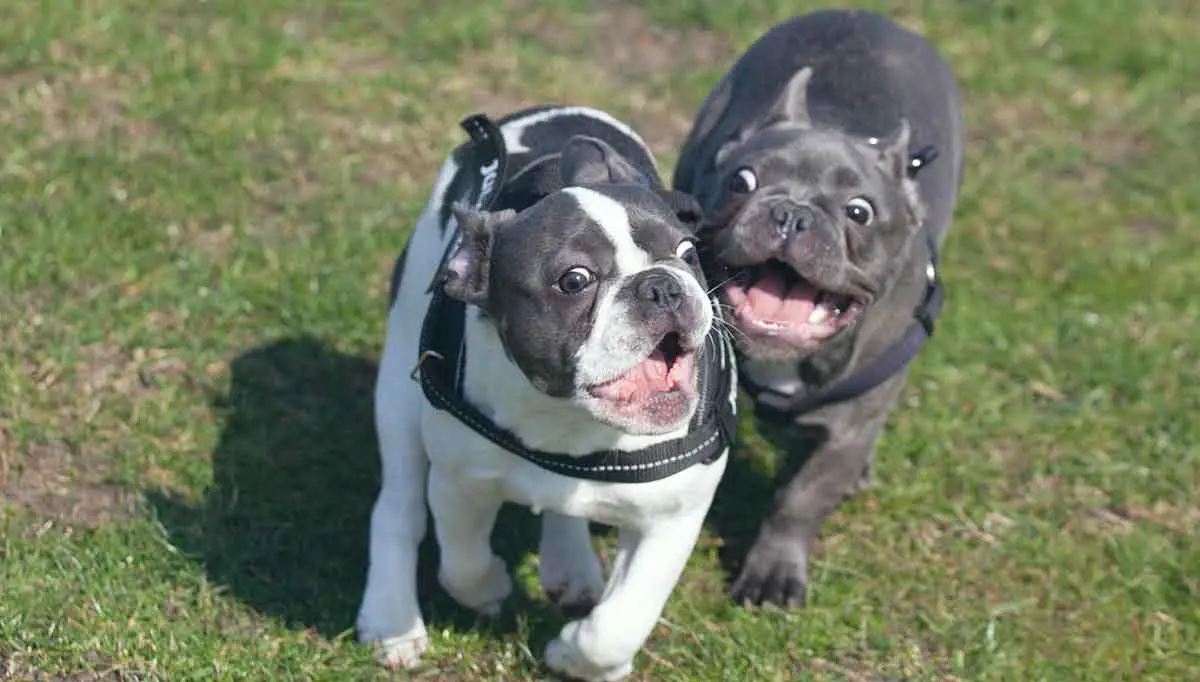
425 355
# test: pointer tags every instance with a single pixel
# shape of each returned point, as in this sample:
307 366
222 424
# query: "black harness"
442 361
777 405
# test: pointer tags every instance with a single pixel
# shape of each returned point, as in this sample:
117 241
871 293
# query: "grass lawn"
199 206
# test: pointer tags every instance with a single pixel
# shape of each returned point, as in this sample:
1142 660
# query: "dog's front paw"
394 632
483 593
775 573
574 580
392 650
401 652
565 658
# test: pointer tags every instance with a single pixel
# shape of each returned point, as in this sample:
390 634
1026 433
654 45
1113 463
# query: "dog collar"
780 406
442 359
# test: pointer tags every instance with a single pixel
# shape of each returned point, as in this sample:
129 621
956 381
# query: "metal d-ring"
425 355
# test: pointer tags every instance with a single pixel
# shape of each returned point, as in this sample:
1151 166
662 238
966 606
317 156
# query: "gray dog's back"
868 72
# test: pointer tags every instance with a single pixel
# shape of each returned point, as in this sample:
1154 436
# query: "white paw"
401 652
566 659
394 631
484 594
574 580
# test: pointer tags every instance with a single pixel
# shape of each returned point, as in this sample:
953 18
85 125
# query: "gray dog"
824 237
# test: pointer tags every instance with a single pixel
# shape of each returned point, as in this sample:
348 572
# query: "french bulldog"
587 340
822 238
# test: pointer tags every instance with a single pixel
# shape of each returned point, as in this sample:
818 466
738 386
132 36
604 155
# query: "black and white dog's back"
534 138
586 330
540 134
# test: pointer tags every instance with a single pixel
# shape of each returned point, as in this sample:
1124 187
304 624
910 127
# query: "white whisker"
718 285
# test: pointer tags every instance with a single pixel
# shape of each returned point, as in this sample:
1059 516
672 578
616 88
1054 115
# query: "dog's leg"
567 564
776 568
390 616
648 565
464 513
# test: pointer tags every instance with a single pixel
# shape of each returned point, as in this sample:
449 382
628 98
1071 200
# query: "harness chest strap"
710 433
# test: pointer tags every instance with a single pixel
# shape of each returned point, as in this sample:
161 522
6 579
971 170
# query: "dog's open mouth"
669 369
771 299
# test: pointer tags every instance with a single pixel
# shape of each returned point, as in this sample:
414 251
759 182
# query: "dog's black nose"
660 288
792 217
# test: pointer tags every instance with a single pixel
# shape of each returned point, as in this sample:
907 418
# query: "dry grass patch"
58 484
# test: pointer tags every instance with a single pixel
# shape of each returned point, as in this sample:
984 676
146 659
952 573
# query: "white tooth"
818 315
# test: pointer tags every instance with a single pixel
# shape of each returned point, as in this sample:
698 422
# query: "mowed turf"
199 206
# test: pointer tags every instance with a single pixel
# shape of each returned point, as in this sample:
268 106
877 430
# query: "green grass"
199 204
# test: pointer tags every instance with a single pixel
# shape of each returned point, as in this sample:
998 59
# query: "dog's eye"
686 251
743 182
860 211
575 280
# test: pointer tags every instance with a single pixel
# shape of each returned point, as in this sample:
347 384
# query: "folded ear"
589 161
465 275
893 151
792 104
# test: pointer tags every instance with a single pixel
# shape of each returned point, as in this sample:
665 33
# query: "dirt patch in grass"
215 241
1184 520
98 370
88 105
52 476
1111 138
1095 512
621 42
378 122
1005 119
626 41
106 368
364 128
54 482
14 667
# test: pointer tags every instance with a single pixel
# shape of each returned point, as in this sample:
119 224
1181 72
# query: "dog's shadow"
285 524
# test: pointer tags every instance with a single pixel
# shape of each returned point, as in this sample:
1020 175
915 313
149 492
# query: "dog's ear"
894 160
893 151
791 109
589 161
792 105
465 276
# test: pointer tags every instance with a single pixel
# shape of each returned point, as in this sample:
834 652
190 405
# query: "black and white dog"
565 358
823 239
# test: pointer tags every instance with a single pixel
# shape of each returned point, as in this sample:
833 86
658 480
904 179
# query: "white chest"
462 454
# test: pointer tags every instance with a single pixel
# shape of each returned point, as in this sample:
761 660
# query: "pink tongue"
653 373
770 299
651 376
